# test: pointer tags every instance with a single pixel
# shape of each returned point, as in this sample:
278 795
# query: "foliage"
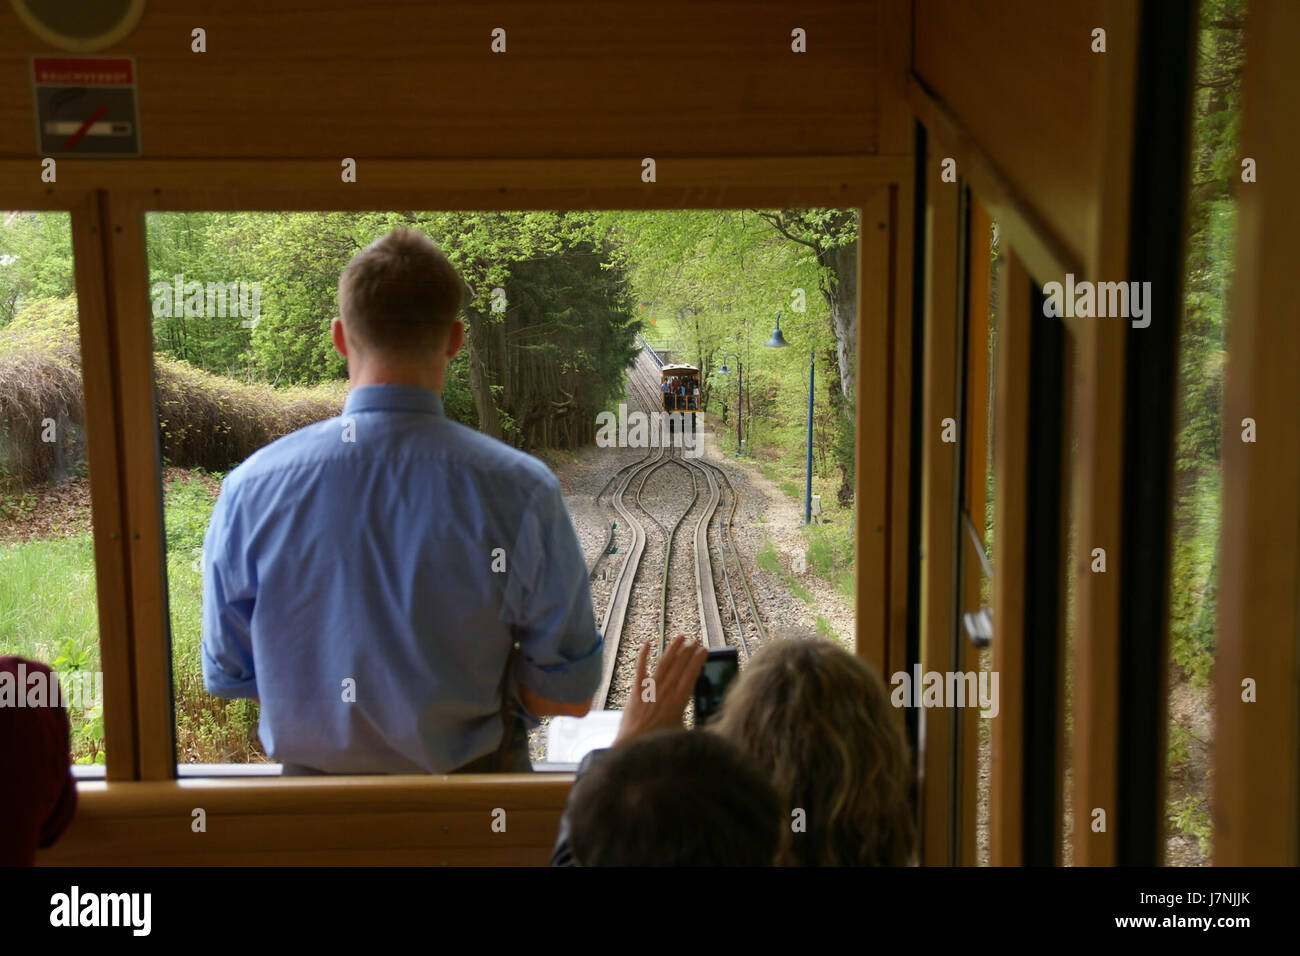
35 260
1202 358
711 285
768 558
1191 817
555 355
208 729
48 612
204 420
40 384
568 325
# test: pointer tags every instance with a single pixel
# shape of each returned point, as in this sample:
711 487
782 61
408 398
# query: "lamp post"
807 482
740 380
777 341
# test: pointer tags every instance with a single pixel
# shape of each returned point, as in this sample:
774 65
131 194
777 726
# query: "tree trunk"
489 419
841 294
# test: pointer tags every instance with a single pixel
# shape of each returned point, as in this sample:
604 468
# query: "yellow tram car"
680 385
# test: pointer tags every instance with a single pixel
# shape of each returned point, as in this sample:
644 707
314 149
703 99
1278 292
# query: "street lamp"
777 341
740 380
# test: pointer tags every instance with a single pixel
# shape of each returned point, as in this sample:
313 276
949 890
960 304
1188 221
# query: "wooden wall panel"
876 230
1098 402
1019 76
974 490
1011 417
367 821
1257 742
329 78
938 487
883 425
902 201
692 183
103 457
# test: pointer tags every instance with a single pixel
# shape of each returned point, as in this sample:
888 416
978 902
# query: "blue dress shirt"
368 576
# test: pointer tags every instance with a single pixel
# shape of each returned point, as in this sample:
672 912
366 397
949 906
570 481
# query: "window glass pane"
48 603
1202 358
575 324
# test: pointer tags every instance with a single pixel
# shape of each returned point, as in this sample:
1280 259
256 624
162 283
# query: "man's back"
367 577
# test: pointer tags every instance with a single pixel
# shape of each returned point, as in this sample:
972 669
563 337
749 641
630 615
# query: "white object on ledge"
569 739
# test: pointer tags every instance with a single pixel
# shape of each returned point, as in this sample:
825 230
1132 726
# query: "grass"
830 547
48 613
1193 591
208 729
16 506
1190 816
48 608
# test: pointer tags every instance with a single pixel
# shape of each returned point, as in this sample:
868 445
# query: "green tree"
35 259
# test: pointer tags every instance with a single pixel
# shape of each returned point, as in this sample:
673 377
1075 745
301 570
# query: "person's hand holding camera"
658 702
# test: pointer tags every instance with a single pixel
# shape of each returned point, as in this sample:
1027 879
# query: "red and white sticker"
85 106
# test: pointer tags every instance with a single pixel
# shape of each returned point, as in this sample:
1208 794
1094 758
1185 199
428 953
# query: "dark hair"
681 798
400 294
39 795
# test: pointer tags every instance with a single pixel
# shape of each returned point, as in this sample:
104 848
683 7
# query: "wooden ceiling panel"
1021 78
405 80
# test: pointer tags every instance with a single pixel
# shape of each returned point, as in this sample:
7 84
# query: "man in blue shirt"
394 586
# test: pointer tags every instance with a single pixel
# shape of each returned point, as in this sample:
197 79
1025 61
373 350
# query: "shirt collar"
393 398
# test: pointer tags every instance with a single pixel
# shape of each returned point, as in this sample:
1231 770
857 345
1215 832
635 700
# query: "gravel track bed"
722 559
642 622
688 499
763 512
603 567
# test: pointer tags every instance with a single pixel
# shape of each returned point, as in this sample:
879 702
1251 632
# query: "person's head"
38 795
676 798
819 723
398 301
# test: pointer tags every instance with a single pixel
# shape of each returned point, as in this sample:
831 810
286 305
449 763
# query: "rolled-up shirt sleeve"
228 597
560 650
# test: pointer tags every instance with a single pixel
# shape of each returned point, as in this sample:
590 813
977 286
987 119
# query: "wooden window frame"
300 820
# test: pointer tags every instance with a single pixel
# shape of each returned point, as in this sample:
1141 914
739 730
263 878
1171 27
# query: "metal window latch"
979 627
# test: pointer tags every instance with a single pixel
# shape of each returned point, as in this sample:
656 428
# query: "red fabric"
38 795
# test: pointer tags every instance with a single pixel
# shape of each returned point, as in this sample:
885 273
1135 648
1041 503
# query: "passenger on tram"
666 797
403 593
819 723
38 795
675 798
667 390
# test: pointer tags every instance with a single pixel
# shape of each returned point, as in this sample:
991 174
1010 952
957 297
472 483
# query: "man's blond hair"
399 295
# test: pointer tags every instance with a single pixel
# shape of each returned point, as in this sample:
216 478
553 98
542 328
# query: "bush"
204 420
40 382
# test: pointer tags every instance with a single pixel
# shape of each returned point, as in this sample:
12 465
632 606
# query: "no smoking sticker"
85 106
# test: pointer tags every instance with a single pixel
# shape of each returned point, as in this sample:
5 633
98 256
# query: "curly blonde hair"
818 722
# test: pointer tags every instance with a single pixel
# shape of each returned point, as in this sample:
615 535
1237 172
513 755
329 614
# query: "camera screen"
714 679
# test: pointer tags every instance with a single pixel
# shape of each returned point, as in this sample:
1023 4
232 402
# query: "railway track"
728 545
706 600
706 479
